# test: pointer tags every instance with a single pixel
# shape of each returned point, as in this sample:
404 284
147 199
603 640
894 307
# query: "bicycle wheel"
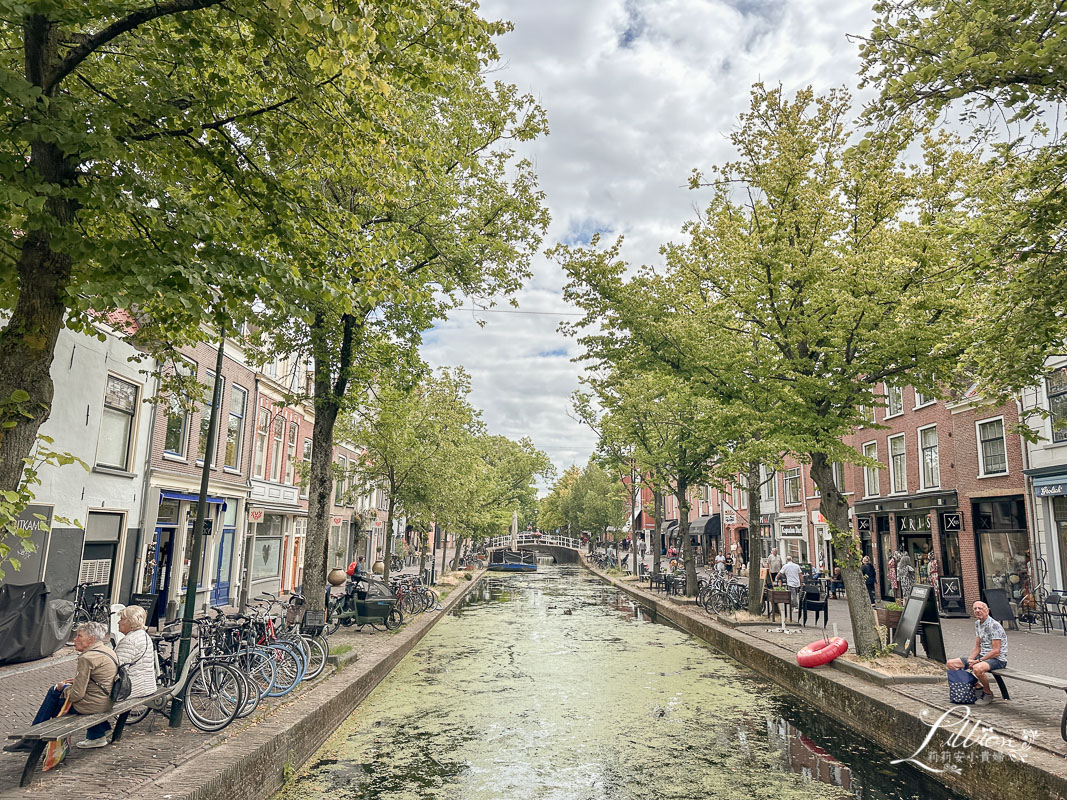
333 613
260 667
138 714
288 668
317 662
252 694
213 696
394 620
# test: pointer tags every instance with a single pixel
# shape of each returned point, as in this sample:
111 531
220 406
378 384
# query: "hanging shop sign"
916 522
952 522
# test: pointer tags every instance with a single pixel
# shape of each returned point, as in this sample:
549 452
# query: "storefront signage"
791 530
818 518
255 515
952 522
1053 490
336 520
863 524
913 523
729 518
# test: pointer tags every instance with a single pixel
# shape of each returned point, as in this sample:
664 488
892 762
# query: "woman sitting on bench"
990 650
89 690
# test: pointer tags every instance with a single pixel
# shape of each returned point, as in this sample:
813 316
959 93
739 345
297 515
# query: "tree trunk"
834 508
28 341
657 516
423 541
455 555
755 584
387 558
329 391
444 552
682 496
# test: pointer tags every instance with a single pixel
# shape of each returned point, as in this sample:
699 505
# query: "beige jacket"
89 694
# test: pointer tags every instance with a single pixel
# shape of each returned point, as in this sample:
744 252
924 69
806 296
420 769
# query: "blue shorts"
994 663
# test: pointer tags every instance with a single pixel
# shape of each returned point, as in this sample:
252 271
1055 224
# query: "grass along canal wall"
874 712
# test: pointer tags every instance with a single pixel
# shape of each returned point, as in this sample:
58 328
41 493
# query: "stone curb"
875 712
880 678
256 763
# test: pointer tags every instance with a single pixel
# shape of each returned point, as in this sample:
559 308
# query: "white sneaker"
89 744
983 700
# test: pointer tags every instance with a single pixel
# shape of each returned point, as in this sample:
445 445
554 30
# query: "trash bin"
429 576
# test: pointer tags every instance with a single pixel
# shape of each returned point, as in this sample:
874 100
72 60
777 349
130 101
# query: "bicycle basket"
314 622
294 614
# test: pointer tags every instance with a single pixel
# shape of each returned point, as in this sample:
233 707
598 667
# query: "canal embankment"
890 715
249 760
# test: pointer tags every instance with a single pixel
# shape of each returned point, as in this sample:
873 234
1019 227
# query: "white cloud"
638 93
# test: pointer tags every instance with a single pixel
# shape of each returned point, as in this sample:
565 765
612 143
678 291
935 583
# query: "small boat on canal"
512 561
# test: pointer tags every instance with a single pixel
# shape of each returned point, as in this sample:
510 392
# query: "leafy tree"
835 256
551 508
402 430
1002 64
127 172
600 502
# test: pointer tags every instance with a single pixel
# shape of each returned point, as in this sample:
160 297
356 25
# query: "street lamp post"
198 531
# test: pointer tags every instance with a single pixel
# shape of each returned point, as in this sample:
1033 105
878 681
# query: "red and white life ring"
822 652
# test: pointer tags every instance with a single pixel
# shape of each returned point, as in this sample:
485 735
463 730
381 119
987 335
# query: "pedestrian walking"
774 565
792 576
868 576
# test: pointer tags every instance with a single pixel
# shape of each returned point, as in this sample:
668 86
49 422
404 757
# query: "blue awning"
168 494
1050 485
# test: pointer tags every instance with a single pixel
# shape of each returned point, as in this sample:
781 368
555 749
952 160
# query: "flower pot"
378 568
779 596
888 619
336 577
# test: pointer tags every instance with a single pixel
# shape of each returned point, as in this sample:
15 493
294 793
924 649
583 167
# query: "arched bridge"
564 549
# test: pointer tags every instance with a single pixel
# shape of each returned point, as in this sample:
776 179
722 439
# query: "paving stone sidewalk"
1031 708
150 750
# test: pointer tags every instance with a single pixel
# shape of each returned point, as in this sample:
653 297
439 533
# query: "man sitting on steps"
990 651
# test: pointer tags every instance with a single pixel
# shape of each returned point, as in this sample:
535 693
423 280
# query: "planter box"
890 619
779 596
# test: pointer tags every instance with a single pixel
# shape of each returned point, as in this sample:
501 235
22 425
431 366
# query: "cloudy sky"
638 93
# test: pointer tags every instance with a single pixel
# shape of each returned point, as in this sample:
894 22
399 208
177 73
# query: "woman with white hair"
88 691
136 651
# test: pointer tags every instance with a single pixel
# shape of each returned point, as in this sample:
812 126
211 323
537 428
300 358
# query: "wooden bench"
1038 680
53 730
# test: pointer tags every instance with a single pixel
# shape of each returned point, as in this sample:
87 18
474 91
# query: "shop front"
950 569
791 539
766 536
1050 505
1002 543
916 538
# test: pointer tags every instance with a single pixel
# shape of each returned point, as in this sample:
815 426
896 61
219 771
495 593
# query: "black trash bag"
31 626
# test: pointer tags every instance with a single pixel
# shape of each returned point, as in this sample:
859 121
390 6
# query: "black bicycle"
97 611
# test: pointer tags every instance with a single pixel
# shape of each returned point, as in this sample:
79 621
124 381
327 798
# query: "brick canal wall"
256 764
874 712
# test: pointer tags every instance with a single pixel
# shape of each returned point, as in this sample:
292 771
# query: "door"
220 592
103 532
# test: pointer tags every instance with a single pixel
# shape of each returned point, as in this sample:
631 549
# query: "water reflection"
553 685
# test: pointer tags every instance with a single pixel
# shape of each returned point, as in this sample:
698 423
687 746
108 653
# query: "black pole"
198 532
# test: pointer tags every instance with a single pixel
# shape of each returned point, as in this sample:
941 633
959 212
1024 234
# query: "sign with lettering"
34 519
729 518
863 524
1054 490
951 522
817 517
255 515
916 522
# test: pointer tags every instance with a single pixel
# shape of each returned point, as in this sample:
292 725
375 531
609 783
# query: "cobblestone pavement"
1031 708
149 750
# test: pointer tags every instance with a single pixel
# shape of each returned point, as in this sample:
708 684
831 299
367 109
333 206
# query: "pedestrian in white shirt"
791 574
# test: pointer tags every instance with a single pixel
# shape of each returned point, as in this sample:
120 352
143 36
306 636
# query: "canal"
554 686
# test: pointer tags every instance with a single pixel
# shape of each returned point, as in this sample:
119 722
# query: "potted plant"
890 615
780 595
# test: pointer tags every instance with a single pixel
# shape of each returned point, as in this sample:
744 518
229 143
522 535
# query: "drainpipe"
1036 551
142 533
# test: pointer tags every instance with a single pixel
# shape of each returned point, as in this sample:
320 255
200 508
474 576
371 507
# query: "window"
1057 403
894 401
870 474
177 409
235 431
742 487
923 399
276 449
267 550
992 455
770 479
792 486
290 456
205 413
262 429
898 475
867 414
305 476
116 423
339 483
931 473
838 468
